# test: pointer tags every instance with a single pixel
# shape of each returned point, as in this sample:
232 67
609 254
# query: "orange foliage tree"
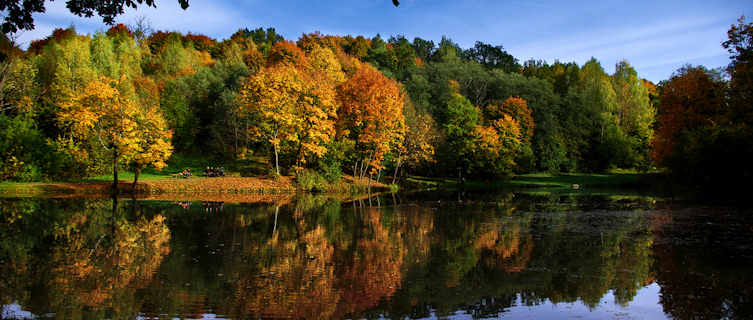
95 264
496 145
688 100
286 52
371 115
517 108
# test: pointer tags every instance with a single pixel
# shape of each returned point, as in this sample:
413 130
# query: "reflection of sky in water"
14 311
645 305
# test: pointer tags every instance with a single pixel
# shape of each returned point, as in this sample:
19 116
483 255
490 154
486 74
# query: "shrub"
309 180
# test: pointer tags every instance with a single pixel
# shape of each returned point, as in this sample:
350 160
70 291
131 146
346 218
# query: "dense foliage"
367 107
705 135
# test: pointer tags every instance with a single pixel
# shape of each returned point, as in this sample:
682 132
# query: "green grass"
10 186
547 182
21 188
128 176
583 180
256 166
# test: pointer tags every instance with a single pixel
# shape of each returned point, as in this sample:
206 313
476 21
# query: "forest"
74 106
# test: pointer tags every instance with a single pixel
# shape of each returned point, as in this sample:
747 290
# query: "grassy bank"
548 182
255 176
156 184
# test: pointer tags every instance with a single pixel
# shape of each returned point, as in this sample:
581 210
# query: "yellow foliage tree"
323 60
291 108
496 145
132 133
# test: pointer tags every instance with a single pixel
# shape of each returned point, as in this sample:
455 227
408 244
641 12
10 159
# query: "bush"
23 149
331 164
309 180
716 161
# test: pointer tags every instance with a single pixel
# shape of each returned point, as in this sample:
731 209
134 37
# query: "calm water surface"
436 255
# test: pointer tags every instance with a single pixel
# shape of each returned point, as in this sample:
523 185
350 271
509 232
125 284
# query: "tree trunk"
274 228
299 157
115 171
277 161
135 178
397 167
235 138
114 206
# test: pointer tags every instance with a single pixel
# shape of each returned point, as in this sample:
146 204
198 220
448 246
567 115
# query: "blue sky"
656 37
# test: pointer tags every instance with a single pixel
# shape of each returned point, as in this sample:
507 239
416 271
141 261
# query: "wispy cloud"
646 46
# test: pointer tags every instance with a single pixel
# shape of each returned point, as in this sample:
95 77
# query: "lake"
456 255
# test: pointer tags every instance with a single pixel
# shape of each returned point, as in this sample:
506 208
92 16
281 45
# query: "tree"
495 147
704 136
492 57
152 146
19 12
290 108
371 115
421 138
690 99
740 47
596 89
548 142
517 109
634 110
459 123
322 60
119 125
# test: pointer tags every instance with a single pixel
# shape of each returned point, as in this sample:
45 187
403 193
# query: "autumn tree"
291 110
521 119
421 140
516 108
371 115
690 99
495 147
704 134
121 127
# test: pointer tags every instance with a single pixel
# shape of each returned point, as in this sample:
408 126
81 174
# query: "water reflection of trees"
703 263
316 258
89 256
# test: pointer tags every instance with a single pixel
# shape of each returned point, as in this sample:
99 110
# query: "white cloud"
213 18
645 47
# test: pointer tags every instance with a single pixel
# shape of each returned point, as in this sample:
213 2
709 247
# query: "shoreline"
250 186
254 186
